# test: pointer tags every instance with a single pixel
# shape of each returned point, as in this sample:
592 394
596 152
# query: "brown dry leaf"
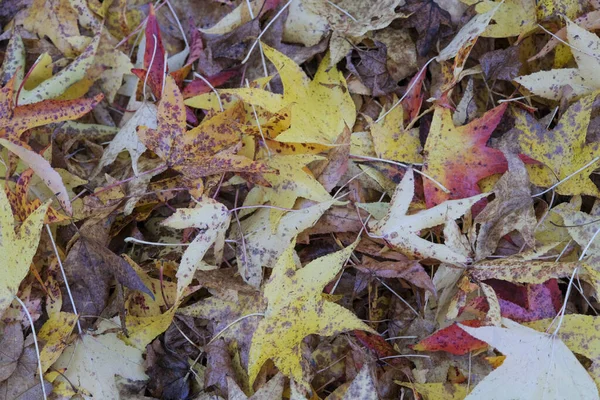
351 20
11 344
409 270
24 382
90 268
512 209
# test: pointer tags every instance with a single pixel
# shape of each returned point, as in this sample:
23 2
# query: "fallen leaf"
452 339
16 119
55 333
467 34
44 170
18 248
581 80
95 360
272 390
460 172
24 382
402 231
579 334
512 18
535 363
12 346
55 19
260 246
511 209
295 310
204 150
350 21
213 219
563 150
392 141
320 108
439 391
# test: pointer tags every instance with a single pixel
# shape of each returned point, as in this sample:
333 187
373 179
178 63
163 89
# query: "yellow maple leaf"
320 108
55 333
392 141
16 249
580 334
582 80
297 309
563 150
513 17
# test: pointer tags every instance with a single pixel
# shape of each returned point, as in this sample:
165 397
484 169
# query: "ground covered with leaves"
302 199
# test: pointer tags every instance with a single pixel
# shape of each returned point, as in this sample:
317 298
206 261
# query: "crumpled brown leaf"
371 68
511 210
90 268
24 382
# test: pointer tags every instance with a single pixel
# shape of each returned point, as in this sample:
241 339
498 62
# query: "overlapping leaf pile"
299 199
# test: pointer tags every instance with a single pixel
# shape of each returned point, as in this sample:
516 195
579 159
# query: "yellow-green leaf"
16 249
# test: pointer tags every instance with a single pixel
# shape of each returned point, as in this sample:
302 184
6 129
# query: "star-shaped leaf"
582 80
297 309
16 249
459 171
402 231
204 150
563 150
320 108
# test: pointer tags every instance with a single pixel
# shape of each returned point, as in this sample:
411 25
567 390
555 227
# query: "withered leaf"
90 268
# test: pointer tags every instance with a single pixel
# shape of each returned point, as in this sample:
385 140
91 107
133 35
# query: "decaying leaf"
212 218
93 362
563 150
512 209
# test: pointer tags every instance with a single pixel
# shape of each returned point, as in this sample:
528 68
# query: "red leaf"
543 301
154 56
414 99
379 346
452 339
198 86
459 171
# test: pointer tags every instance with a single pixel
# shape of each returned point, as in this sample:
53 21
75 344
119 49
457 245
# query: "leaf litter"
299 199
